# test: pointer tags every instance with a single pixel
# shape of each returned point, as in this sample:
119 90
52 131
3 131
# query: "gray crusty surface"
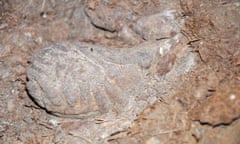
84 80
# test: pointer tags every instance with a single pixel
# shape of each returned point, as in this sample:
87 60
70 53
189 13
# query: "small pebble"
153 140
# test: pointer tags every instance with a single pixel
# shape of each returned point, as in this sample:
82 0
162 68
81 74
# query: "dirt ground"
202 105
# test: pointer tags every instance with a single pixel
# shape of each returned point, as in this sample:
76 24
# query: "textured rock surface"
82 79
158 26
213 31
